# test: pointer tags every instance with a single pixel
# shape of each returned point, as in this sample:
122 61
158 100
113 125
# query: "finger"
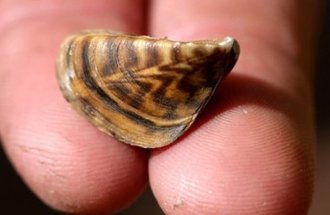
66 161
250 152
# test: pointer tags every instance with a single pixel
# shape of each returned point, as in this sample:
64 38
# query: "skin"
251 152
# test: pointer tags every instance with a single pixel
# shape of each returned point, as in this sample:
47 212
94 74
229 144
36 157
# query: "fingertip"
76 172
248 157
200 176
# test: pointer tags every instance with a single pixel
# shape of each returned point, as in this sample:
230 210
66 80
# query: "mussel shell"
141 90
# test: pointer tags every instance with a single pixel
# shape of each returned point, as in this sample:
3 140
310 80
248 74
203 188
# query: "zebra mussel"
141 90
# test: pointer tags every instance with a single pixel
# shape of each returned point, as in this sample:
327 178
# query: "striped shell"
141 90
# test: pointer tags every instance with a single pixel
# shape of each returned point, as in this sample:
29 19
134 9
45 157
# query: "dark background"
15 197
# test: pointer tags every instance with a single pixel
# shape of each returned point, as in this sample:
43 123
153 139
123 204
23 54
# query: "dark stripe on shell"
153 55
176 53
111 66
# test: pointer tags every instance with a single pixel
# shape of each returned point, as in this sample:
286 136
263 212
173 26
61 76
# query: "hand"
249 153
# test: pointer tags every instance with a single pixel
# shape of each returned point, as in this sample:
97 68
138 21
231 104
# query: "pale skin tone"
249 153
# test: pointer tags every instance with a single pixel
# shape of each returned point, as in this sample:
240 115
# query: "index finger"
251 150
64 160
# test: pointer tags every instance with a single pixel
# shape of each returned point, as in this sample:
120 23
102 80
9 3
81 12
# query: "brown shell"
141 90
